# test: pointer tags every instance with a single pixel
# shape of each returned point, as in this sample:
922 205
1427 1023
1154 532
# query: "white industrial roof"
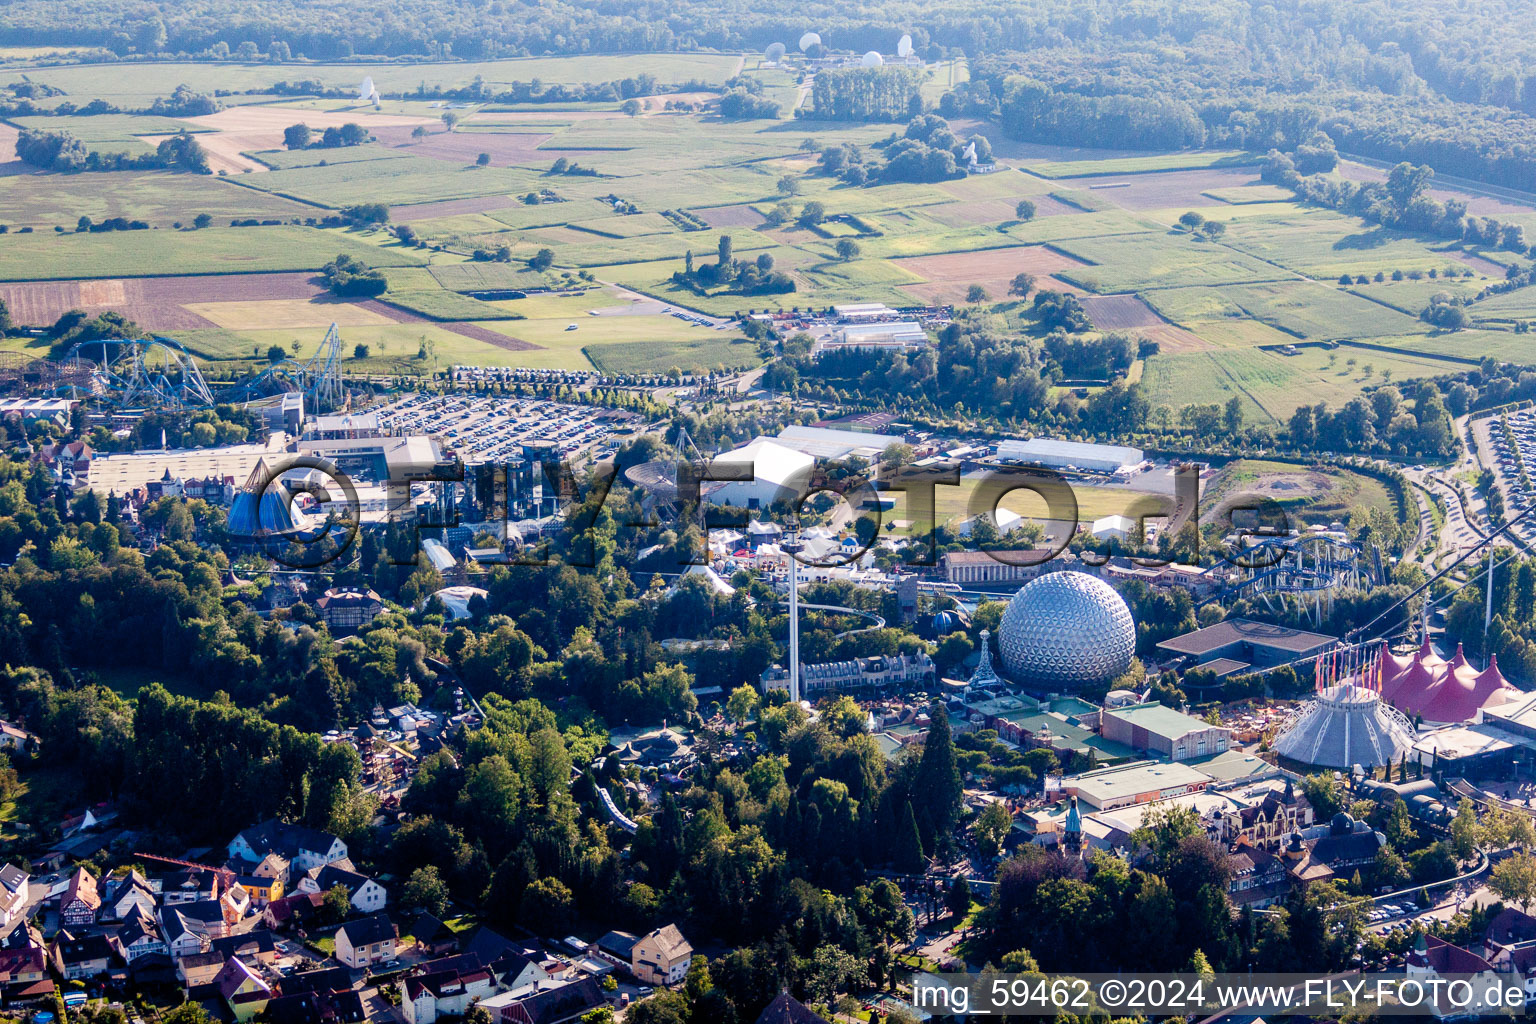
831 443
1045 447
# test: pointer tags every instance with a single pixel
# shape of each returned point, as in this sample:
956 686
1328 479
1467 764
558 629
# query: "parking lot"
1514 453
495 429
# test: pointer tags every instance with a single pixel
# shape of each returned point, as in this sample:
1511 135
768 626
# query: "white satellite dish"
872 59
366 91
904 47
969 155
809 40
774 53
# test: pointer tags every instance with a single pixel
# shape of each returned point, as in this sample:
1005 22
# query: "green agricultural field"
1323 244
49 256
627 226
287 159
1152 260
477 277
441 304
1314 310
1244 194
654 356
1272 385
1412 296
1519 304
159 197
520 215
1467 346
1186 161
138 84
406 179
111 133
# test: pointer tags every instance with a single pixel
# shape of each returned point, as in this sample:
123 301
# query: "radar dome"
904 47
872 59
1065 630
774 53
809 40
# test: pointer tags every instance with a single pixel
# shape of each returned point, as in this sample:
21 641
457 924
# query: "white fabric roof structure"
716 583
456 600
778 472
1113 526
440 557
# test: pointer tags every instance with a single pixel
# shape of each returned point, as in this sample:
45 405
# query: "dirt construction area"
947 277
1240 490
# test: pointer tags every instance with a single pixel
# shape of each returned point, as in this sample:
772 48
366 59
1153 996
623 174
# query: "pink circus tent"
1436 690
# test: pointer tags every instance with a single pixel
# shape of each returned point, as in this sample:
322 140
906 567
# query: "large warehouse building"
1079 455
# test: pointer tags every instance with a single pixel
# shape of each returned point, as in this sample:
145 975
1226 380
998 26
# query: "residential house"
190 886
547 1003
85 957
207 918
324 979
661 957
367 895
303 847
253 947
292 912
366 941
426 997
261 889
1259 878
194 970
786 1009
433 938
184 934
271 865
235 904
14 738
14 883
243 992
124 894
24 969
618 947
307 1007
139 936
80 901
1432 957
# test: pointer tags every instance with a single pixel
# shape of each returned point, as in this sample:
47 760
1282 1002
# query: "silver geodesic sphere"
1066 629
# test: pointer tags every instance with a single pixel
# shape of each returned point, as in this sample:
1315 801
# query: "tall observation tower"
792 545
